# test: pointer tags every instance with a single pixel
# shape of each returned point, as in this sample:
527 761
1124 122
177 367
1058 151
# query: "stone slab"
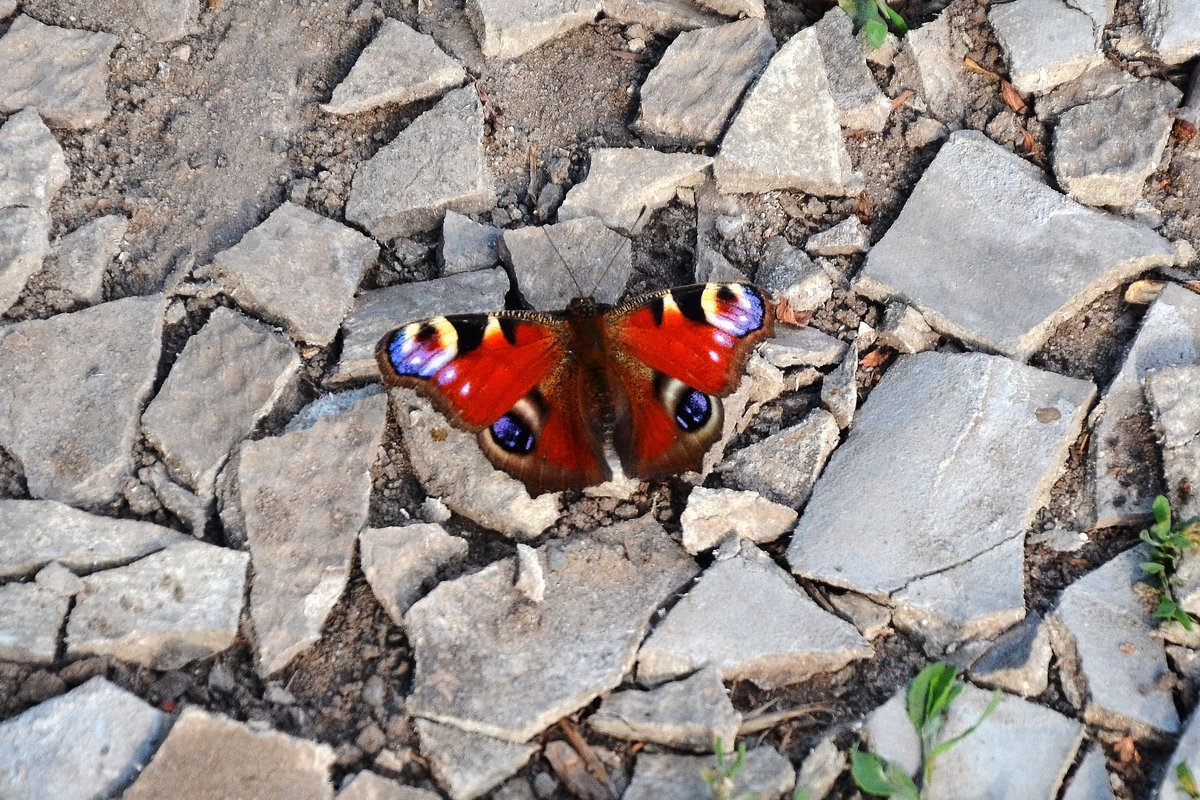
848 237
369 786
839 389
467 245
796 277
75 385
625 184
33 616
435 164
930 458
715 624
1175 404
1090 781
1046 42
32 165
24 244
160 20
297 269
1018 660
982 223
688 714
784 466
712 515
930 63
553 264
508 30
401 562
1173 28
81 257
802 347
861 105
468 764
664 776
489 661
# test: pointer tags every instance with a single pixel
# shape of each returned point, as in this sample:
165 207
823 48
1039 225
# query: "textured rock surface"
579 258
784 467
1018 660
401 562
32 165
714 514
689 714
82 257
1046 42
33 616
24 243
1175 404
468 764
662 776
467 245
624 184
861 105
1173 27
507 30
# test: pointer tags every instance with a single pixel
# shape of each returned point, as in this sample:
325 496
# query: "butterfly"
541 390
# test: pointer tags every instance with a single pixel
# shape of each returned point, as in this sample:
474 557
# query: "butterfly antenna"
566 266
637 226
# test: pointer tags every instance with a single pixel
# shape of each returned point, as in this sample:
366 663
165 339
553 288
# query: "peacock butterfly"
541 389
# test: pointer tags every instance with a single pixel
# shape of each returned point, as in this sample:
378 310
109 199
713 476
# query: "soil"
209 135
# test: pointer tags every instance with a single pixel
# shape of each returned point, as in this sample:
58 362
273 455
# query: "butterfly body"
542 390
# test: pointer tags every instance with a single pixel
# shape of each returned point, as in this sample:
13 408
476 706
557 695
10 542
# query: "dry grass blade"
763 722
569 766
902 98
590 760
1012 98
974 65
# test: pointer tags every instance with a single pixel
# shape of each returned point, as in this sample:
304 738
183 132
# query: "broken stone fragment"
507 30
797 279
401 562
1173 28
905 330
1018 660
32 165
625 184
664 776
553 264
714 514
839 389
81 258
24 243
784 466
861 105
846 238
1175 404
1048 42
468 764
930 62
467 245
32 619
689 714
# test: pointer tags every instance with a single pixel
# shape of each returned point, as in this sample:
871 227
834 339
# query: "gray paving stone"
1173 28
1175 405
688 714
872 619
160 20
1031 746
435 164
861 105
506 29
579 258
61 71
56 578
624 184
230 375
192 510
90 742
761 384
930 461
797 279
1187 750
506 674
81 258
905 330
7 8
300 500
839 389
802 347
846 238
369 786
378 311
24 243
164 611
1046 42
33 616
1105 150
75 387
820 770
1047 255
930 63
468 764
297 269
689 95
1110 660
400 563
736 8
35 532
974 600
715 624
450 466
663 776
399 66
662 16
1124 487
784 466
32 165
713 515
1090 781
1097 83
786 135
467 245
1018 660
209 756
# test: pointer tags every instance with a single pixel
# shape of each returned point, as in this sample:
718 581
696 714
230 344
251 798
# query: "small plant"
929 696
720 778
874 18
1187 782
1167 545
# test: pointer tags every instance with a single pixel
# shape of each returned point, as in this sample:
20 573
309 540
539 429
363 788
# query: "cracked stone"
60 71
664 776
624 184
1173 27
715 514
688 714
847 238
797 279
33 616
531 579
507 30
1090 781
820 770
905 330
1018 660
784 467
552 264
861 105
839 390
467 245
1046 42
24 243
32 166
369 786
802 347
401 562
1171 392
468 764
931 63
81 258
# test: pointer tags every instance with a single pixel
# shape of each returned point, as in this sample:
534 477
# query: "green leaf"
894 18
918 696
875 32
877 777
1162 511
1151 568
1187 782
987 712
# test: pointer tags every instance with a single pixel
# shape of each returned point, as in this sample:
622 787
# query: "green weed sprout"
929 696
1167 545
874 17
1187 782
720 778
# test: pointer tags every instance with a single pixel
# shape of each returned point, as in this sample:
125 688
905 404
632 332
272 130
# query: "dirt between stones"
202 144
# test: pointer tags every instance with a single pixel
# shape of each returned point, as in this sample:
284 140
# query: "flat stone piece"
230 375
401 562
508 672
802 347
1046 42
736 8
160 20
83 255
1090 781
1175 404
688 715
1105 639
467 764
61 71
931 63
1105 150
378 311
398 66
784 466
75 385
839 389
32 165
1030 745
930 461
787 134
1188 749
434 164
905 330
982 224
820 769
1169 335
715 514
301 499
661 16
214 758
507 30
625 183
1173 27
1018 661
297 269
35 532
165 611
553 264
846 238
689 95
467 245
795 276
369 786
974 600
663 776
450 465
24 243
90 742
860 103
715 624
33 616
